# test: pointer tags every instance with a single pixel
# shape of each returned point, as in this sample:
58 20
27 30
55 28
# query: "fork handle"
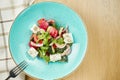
7 77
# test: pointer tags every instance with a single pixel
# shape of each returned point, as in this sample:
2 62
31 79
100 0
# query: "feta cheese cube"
55 57
32 52
35 28
68 38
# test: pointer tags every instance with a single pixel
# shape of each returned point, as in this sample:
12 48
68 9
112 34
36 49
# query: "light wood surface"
102 19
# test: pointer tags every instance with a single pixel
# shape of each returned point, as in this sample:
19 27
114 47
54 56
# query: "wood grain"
102 19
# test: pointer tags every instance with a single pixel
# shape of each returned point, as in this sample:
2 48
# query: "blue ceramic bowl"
20 35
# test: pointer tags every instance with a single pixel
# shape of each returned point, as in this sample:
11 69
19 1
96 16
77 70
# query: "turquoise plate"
20 35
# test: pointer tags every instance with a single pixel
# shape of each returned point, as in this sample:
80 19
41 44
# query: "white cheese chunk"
35 28
68 38
55 57
32 52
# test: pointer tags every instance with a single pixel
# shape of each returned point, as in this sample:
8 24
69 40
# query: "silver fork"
17 70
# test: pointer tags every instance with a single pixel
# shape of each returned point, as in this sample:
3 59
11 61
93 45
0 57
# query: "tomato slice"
53 31
43 24
41 20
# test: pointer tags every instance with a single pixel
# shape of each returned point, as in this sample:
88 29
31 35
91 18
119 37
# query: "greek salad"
50 43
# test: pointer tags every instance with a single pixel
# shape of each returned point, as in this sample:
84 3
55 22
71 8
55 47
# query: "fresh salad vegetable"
50 43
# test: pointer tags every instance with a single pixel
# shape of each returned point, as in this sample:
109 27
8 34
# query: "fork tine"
20 70
22 66
19 66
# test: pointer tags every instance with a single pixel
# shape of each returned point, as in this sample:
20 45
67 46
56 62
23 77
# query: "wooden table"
102 19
